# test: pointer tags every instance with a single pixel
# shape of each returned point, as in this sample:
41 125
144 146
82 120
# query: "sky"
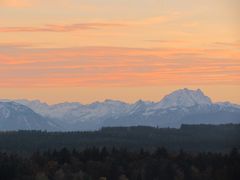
78 50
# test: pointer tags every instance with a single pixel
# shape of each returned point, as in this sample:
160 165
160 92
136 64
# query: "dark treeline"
191 138
120 164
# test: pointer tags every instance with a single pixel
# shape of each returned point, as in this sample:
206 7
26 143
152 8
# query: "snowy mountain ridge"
180 106
15 116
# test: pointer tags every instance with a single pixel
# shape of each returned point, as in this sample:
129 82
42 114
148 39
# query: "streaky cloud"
60 28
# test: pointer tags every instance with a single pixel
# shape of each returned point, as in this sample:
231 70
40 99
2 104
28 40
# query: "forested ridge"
193 152
192 138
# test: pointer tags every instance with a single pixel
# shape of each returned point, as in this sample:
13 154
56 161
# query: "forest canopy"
192 138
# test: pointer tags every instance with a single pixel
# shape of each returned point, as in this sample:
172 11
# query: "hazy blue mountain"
175 116
14 116
181 106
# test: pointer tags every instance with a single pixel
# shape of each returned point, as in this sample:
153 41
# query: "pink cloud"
116 66
61 28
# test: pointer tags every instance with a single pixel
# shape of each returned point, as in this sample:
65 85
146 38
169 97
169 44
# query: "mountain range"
182 106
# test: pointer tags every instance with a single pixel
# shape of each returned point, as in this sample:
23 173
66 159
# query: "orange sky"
75 50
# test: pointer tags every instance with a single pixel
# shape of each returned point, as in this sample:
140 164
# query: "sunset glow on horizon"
93 50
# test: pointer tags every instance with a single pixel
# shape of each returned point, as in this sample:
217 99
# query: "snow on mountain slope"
139 107
73 112
14 116
51 111
183 98
225 105
96 112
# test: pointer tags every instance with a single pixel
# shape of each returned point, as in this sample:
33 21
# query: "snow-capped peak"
184 98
